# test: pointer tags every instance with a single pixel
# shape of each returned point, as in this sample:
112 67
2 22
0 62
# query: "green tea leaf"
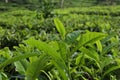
54 44
108 37
90 37
71 37
60 27
91 53
99 45
80 59
111 69
63 51
17 58
87 69
56 57
106 61
21 66
34 68
3 76
108 48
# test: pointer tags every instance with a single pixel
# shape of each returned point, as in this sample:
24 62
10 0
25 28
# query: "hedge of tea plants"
70 46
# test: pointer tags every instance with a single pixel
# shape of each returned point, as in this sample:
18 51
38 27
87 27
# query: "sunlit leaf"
60 27
21 66
99 45
90 37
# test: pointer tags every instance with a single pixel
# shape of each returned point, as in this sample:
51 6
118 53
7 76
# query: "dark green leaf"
71 37
111 69
91 53
34 68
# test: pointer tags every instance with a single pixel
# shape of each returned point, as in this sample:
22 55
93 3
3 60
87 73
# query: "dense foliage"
39 43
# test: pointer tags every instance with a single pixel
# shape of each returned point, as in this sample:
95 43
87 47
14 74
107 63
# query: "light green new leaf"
54 44
90 37
21 66
60 27
99 45
87 69
80 59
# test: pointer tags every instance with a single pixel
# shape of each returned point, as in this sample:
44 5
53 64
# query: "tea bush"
24 24
85 46
75 55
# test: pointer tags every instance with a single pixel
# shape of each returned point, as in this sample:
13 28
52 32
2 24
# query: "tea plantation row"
82 44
